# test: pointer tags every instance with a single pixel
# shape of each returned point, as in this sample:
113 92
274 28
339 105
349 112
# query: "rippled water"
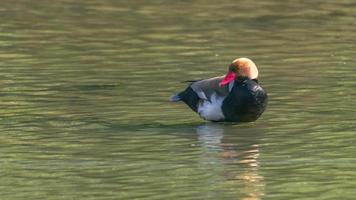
84 88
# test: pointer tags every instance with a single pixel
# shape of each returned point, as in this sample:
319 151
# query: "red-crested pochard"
235 97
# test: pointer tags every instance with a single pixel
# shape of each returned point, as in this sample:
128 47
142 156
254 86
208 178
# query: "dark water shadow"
236 149
229 152
227 127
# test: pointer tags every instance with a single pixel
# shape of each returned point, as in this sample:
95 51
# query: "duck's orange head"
240 67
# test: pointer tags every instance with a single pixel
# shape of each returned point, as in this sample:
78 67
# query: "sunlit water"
84 89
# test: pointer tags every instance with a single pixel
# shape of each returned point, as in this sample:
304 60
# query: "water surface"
84 89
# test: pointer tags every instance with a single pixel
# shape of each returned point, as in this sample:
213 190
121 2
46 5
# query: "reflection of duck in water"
223 148
236 97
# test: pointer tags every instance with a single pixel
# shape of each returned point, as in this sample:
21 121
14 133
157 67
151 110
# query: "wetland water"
84 94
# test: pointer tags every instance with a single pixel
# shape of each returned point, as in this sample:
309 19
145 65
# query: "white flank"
211 110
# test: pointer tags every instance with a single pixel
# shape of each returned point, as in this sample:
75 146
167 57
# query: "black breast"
246 102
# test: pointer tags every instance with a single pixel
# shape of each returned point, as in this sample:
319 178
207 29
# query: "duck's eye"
232 68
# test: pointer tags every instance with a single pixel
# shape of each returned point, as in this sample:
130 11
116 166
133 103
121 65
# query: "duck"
234 97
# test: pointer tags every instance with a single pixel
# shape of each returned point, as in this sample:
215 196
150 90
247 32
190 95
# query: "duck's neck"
241 79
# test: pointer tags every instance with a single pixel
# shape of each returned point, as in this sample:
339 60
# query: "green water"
84 88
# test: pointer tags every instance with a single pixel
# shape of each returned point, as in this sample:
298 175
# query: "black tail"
189 97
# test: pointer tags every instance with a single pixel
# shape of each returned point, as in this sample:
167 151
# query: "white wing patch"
211 110
201 95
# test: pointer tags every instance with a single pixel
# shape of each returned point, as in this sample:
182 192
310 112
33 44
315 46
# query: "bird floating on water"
235 97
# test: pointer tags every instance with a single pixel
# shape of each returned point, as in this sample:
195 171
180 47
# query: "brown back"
210 86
